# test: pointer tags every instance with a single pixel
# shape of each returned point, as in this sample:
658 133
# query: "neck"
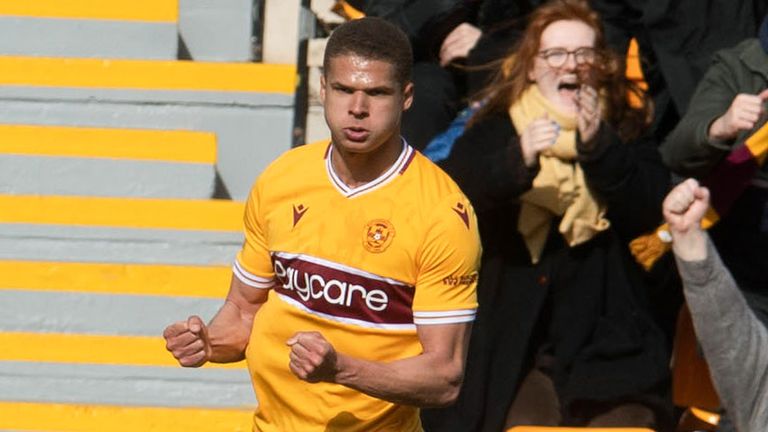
357 169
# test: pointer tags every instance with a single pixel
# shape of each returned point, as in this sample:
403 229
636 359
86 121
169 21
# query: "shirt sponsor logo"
343 292
460 280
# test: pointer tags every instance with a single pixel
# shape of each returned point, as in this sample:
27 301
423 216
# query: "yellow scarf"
559 189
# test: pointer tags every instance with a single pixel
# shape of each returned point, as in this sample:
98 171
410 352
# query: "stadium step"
52 160
120 230
248 106
218 30
40 417
139 29
79 333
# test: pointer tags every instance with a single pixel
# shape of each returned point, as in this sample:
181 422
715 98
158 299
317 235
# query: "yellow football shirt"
363 266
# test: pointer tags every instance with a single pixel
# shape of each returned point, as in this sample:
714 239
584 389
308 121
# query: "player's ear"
407 95
322 87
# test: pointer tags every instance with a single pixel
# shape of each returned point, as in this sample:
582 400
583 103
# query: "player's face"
363 103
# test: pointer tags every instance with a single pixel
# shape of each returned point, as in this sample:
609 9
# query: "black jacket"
605 342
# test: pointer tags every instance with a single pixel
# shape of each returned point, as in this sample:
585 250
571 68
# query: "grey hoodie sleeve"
734 341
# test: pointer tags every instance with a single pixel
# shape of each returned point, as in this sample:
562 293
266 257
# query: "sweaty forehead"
358 69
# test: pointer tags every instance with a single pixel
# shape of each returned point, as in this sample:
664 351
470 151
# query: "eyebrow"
378 89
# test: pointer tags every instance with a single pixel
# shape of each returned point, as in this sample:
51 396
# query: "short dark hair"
375 39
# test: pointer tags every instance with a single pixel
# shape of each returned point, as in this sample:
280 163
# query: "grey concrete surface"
249 135
51 175
125 385
86 313
217 30
117 245
56 37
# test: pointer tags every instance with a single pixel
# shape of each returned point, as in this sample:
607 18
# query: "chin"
568 106
355 146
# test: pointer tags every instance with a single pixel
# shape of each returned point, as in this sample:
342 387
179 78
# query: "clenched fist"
742 115
188 342
683 208
312 358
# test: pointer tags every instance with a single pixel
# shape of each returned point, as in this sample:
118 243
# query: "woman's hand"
589 114
540 135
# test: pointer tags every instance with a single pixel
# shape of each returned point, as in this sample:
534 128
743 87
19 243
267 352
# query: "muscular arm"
225 338
432 378
230 328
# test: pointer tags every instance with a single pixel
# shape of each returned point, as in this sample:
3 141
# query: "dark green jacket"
741 69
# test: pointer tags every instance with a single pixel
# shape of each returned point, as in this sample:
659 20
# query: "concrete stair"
123 175
145 29
248 106
82 340
107 162
218 30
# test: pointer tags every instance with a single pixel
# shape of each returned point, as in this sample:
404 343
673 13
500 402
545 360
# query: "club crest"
378 235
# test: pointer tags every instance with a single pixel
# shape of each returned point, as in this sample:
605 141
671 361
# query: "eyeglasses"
556 57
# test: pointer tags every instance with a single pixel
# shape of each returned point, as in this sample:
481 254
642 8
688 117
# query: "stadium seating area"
130 133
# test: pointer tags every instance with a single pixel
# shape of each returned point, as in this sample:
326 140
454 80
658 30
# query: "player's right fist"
188 341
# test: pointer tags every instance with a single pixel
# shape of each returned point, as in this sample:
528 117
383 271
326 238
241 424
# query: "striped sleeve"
251 279
253 265
444 317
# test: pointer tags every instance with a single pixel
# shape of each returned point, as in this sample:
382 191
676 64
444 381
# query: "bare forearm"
229 332
423 381
691 245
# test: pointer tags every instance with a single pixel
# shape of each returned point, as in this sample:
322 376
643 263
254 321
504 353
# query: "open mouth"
568 86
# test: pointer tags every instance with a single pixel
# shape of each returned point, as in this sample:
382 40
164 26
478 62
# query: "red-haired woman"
562 180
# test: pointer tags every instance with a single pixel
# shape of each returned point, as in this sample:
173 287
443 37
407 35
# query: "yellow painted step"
131 279
147 74
22 416
133 144
133 10
214 215
91 349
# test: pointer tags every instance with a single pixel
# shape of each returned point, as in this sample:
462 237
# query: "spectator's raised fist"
683 208
743 114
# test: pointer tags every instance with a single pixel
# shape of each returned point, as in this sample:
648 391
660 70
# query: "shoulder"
746 54
434 184
295 161
440 197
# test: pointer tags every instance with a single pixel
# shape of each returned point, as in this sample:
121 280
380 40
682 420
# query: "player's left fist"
312 358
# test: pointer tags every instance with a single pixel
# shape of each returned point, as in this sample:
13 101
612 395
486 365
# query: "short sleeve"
448 265
253 265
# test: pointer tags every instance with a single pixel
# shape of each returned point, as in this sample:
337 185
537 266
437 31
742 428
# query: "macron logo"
298 213
462 212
